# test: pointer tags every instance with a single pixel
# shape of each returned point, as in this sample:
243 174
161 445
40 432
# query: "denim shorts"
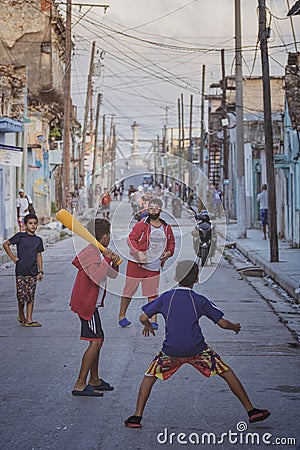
263 216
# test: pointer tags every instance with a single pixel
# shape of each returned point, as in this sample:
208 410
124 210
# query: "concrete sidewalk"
286 272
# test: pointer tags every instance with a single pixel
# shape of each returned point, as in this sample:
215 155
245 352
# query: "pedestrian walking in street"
24 206
151 243
166 192
93 270
262 199
105 203
184 342
29 267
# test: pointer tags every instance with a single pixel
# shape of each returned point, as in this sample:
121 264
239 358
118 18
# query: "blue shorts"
263 216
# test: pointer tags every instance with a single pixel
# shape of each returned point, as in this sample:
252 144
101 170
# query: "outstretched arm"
148 328
227 325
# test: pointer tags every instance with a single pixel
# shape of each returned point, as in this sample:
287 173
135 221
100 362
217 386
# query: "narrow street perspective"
149 224
39 366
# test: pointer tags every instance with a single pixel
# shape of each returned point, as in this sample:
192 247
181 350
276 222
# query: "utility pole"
240 159
110 160
190 156
103 146
67 104
95 148
183 138
225 139
165 131
91 112
67 108
165 147
156 153
114 147
86 112
201 149
268 133
182 123
25 135
201 192
179 143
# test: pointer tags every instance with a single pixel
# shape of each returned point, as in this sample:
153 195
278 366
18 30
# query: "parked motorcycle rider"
204 236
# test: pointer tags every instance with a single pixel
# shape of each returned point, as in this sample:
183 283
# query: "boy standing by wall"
93 270
181 308
29 267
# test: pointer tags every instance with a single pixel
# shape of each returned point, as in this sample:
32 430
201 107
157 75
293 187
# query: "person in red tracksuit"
93 270
151 243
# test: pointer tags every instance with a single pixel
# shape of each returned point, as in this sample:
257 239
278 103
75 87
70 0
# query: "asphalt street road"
39 367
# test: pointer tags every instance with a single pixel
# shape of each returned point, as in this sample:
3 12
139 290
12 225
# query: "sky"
151 52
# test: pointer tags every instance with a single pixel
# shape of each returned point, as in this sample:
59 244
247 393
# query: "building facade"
32 37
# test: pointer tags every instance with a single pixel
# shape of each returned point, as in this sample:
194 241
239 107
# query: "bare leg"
29 311
265 231
88 360
125 301
94 374
21 311
237 388
144 393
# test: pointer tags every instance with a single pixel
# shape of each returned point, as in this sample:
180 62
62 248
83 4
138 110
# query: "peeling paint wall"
12 91
32 35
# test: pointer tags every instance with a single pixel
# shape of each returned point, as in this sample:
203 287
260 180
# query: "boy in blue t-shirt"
29 267
184 342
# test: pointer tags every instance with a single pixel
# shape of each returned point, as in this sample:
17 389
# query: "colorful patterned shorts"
208 362
26 286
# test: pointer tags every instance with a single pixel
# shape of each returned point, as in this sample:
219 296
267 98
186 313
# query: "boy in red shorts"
181 308
151 243
93 270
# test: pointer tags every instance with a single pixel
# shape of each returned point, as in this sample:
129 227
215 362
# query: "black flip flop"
133 422
104 386
88 391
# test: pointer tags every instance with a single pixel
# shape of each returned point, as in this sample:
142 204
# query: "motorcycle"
204 236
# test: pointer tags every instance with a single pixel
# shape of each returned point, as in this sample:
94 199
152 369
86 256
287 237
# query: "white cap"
21 190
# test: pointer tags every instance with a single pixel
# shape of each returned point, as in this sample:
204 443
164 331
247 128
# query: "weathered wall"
13 91
253 94
292 75
32 36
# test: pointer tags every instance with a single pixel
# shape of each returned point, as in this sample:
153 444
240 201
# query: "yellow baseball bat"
74 225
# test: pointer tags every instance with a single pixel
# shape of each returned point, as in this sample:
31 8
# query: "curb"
280 278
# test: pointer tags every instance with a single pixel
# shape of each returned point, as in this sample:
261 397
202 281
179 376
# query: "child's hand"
165 256
115 258
236 327
40 276
107 253
148 328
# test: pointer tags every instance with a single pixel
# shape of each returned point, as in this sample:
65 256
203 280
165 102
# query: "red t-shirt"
93 269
